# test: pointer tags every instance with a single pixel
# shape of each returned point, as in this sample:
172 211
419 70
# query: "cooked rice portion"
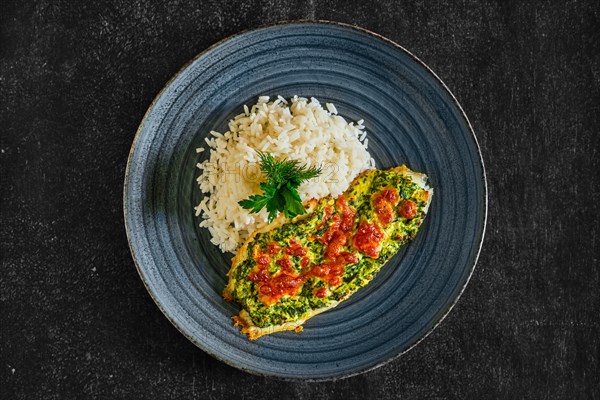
302 130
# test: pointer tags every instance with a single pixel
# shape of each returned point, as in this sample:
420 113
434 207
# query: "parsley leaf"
254 203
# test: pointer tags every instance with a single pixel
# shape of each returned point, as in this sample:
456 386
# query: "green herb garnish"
279 191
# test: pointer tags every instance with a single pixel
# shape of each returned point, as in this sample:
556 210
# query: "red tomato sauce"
407 209
295 248
273 248
368 239
384 202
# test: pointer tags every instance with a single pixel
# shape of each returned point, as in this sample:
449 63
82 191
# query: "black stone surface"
75 80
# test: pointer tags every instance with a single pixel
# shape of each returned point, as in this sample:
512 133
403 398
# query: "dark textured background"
75 80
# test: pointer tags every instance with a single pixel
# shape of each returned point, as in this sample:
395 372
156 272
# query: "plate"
411 117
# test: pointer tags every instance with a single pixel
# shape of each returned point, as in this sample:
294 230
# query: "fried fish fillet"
290 271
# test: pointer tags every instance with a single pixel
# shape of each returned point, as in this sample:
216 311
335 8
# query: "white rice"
302 131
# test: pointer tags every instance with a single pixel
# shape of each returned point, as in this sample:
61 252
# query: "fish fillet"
290 271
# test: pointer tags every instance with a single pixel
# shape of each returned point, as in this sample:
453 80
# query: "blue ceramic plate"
411 118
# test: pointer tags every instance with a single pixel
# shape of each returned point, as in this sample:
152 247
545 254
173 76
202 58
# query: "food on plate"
291 187
289 271
300 130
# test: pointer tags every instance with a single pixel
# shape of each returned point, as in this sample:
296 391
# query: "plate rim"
126 184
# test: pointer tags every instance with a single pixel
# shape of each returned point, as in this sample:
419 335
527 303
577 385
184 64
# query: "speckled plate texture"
412 119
